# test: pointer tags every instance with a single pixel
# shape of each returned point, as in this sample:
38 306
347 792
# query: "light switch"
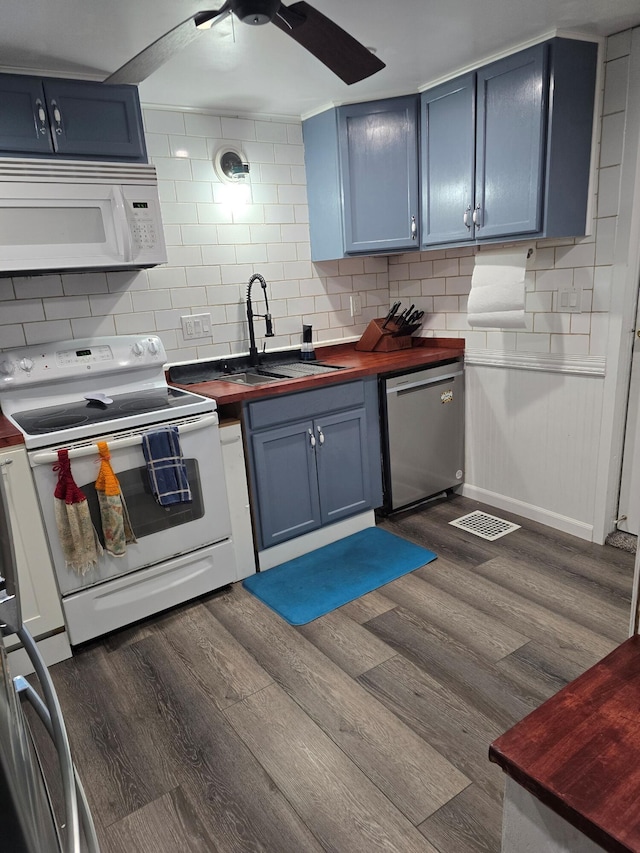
196 326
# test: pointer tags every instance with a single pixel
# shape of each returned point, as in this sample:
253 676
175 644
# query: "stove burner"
60 421
144 405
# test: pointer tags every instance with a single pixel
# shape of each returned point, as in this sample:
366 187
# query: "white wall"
213 249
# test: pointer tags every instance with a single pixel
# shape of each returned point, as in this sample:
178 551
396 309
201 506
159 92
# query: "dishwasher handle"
423 383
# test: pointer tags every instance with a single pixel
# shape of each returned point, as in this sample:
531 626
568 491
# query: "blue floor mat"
307 587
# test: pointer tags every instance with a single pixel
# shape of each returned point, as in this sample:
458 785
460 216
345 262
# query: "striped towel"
165 466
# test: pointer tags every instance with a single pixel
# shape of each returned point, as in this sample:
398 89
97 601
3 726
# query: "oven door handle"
50 457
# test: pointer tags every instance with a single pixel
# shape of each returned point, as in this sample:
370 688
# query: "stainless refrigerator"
28 822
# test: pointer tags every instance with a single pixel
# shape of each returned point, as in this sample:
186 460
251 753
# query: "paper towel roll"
497 293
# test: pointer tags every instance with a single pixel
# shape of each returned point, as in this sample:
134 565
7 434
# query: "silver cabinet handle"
312 438
465 217
41 119
57 116
476 216
320 435
414 228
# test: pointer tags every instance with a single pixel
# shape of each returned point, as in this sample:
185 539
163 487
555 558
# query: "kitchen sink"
274 366
249 378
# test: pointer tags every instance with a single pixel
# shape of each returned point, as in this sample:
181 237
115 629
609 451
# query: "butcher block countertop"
356 364
579 752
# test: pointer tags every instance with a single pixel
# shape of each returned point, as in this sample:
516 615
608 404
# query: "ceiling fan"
340 52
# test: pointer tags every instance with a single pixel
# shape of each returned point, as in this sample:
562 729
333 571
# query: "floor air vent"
484 525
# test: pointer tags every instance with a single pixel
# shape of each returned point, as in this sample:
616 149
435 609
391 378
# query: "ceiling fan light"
256 12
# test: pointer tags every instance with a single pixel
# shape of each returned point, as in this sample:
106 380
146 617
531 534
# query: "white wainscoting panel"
532 443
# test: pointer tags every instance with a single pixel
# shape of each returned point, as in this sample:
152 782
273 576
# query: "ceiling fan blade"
328 42
162 49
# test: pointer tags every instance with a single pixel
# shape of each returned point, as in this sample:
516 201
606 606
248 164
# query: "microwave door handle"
121 222
50 457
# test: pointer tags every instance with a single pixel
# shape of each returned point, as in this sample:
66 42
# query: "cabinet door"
510 150
95 120
286 482
343 464
24 127
447 144
41 608
378 149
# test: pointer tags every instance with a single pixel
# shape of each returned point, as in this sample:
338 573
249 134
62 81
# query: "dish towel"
78 538
165 466
116 526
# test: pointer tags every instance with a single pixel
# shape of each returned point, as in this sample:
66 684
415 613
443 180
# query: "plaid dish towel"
165 466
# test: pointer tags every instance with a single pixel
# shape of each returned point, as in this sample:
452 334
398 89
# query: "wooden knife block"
376 339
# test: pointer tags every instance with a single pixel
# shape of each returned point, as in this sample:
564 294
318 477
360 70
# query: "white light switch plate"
196 326
570 300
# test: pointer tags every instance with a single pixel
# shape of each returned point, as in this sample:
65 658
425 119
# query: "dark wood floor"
219 727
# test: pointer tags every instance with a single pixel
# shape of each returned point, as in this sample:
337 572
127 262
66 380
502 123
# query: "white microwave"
78 215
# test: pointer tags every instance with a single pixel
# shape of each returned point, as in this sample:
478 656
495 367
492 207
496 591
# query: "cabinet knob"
476 216
465 217
414 228
320 435
312 438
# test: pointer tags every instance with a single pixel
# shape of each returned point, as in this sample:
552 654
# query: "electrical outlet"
355 302
196 326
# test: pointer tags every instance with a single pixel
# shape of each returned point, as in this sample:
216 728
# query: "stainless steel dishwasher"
422 416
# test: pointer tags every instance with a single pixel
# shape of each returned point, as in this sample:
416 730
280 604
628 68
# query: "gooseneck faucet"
253 351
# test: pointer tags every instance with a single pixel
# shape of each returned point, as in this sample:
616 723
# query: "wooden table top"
579 752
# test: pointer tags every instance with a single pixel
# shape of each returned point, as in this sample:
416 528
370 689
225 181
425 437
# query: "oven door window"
145 513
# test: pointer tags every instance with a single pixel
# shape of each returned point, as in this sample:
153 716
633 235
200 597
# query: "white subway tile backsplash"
253 253
175 213
32 287
233 234
612 140
172 168
66 307
193 191
21 311
135 324
12 336
52 330
615 85
196 124
194 147
151 300
164 121
238 129
90 327
166 278
157 145
608 191
271 131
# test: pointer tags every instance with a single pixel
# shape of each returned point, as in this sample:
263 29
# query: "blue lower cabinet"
315 470
286 482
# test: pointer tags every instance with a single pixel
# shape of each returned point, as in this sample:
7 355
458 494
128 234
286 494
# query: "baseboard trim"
271 557
534 513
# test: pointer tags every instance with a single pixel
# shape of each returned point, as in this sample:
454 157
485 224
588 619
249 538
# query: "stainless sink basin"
249 378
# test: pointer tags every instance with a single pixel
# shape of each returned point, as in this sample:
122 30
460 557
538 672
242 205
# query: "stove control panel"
65 360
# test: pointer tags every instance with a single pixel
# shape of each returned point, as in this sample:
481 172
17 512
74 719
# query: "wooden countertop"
356 364
579 752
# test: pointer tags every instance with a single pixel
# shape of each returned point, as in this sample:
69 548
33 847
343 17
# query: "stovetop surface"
86 413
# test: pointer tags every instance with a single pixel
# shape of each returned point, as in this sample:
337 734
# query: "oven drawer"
105 607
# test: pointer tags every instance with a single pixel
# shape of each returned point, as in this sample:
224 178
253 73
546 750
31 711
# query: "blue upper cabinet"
378 145
506 150
511 126
448 141
362 178
72 119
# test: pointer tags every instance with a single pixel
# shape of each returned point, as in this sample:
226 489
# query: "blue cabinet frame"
506 150
73 119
